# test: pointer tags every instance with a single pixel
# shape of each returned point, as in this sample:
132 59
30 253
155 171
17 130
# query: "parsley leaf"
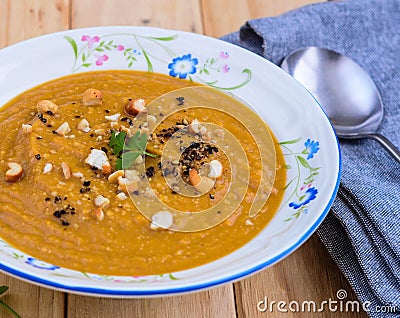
128 149
117 142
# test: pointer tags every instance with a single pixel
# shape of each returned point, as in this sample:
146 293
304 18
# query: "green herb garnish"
128 149
3 289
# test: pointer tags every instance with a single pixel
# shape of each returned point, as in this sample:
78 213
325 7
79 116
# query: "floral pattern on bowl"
94 51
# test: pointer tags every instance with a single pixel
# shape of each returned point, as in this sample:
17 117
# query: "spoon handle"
386 144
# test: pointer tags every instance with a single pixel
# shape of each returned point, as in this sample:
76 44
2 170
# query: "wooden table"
307 274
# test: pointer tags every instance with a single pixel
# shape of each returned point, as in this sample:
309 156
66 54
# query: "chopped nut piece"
132 175
114 176
66 170
203 130
205 185
100 132
134 107
106 168
48 167
194 126
194 177
248 222
151 118
92 97
114 117
215 169
99 214
121 196
14 173
162 219
123 128
78 174
84 126
126 185
26 129
98 159
63 129
45 106
101 201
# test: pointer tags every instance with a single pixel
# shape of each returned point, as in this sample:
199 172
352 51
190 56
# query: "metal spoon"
346 92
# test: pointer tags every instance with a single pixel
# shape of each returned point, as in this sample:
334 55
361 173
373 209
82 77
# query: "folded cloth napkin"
362 230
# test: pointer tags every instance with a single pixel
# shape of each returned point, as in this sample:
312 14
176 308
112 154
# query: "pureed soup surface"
67 210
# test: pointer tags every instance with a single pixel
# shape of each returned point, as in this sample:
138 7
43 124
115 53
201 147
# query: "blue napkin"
362 230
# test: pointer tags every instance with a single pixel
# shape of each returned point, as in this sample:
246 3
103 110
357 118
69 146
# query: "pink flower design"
90 40
100 59
224 55
120 47
225 68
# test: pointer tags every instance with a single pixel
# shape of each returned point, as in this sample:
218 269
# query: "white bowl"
309 143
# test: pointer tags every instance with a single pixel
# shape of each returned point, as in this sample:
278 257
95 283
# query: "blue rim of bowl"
197 287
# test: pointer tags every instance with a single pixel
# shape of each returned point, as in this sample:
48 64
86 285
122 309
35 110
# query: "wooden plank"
224 16
309 274
178 14
217 302
20 20
23 19
31 301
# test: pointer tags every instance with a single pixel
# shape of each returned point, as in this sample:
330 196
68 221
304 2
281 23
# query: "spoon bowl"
345 91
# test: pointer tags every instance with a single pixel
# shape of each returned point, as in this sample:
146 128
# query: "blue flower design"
310 195
312 148
182 66
40 264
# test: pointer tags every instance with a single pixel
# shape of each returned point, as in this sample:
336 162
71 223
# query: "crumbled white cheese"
48 167
121 196
101 201
63 129
114 117
26 129
215 169
162 219
97 158
84 126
